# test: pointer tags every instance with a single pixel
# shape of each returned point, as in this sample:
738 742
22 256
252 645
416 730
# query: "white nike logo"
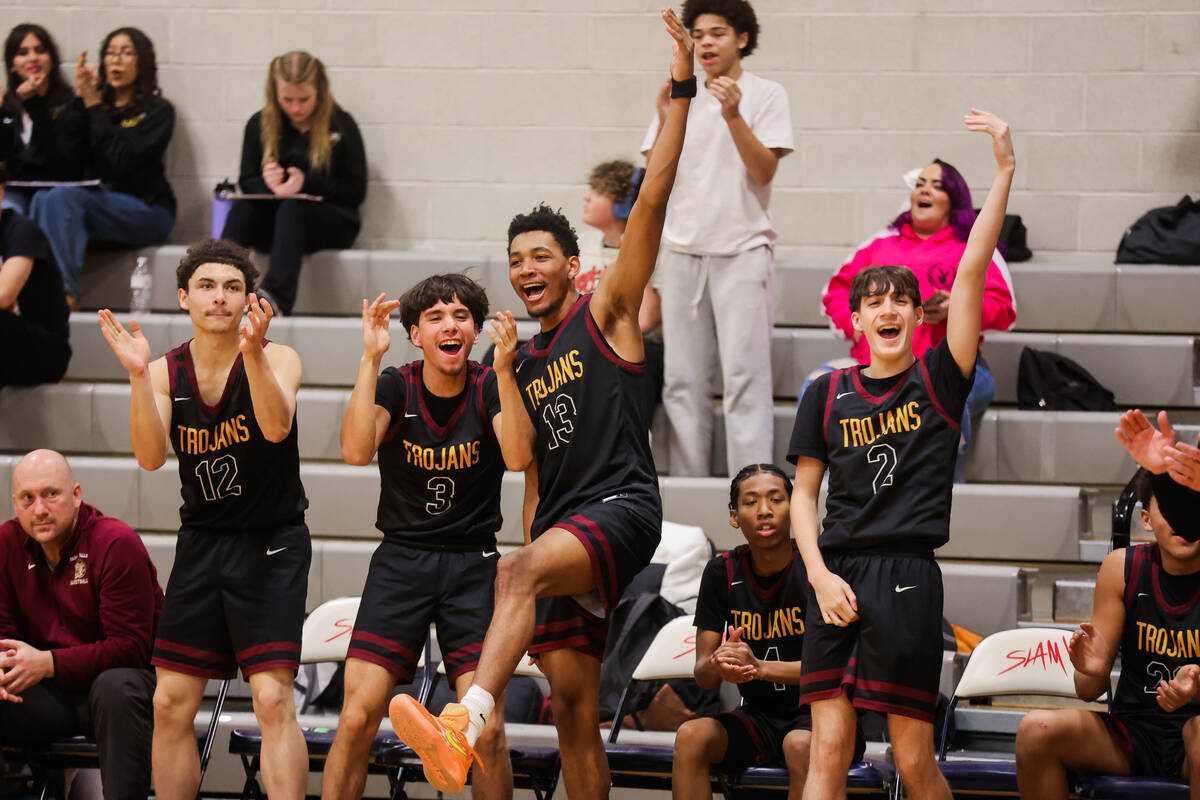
843 394
900 588
183 398
276 550
1140 594
735 583
409 416
614 497
31 566
489 553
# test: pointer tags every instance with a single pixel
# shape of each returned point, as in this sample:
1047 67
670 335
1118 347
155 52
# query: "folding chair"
536 768
49 763
324 637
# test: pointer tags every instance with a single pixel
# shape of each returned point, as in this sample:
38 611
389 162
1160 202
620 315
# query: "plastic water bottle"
139 286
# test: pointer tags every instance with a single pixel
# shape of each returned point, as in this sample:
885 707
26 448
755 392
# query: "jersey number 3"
443 492
217 478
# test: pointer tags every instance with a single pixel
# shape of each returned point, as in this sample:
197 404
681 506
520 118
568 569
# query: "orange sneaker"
441 746
455 715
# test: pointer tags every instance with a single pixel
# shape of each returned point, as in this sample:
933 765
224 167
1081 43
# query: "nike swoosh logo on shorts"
1140 594
900 588
31 566
735 583
843 394
489 553
276 550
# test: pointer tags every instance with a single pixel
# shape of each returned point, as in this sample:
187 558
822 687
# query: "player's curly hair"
612 178
443 288
217 251
545 218
738 13
735 486
886 279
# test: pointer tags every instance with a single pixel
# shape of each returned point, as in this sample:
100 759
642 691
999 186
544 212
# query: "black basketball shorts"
235 599
408 588
890 659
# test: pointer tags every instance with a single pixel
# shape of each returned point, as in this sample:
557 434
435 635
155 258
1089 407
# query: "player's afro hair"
738 13
217 251
545 218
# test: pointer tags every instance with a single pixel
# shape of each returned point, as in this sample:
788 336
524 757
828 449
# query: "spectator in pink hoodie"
929 239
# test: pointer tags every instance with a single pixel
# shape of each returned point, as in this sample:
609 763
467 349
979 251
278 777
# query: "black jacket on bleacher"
57 146
127 149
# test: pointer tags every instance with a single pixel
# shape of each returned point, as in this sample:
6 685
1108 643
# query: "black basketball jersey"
890 446
439 484
770 612
1158 637
588 409
231 477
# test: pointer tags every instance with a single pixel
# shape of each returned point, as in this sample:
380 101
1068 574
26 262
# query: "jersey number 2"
217 477
885 456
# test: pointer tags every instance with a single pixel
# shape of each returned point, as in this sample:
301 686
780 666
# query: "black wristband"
683 88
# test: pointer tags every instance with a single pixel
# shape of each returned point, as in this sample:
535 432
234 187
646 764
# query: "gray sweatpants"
711 305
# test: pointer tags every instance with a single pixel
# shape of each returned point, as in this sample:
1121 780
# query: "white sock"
479 703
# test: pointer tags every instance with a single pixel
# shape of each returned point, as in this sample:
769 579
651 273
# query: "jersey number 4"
217 477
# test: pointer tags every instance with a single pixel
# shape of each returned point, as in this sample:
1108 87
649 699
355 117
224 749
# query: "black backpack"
1168 235
1051 382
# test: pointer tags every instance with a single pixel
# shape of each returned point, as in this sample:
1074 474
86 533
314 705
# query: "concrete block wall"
472 110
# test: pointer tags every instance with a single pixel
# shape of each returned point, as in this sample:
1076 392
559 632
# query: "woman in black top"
129 128
43 132
301 142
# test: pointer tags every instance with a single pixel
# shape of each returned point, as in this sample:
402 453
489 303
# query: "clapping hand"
503 333
375 318
735 659
726 90
1180 690
131 346
1087 650
1149 447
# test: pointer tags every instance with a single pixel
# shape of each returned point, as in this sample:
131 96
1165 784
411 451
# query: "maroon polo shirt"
96 610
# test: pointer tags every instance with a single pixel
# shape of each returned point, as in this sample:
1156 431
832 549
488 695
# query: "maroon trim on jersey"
826 674
896 689
829 398
191 652
533 351
417 385
228 671
462 660
901 378
262 666
607 349
190 366
954 423
402 671
764 594
603 572
268 647
386 644
1156 561
1133 567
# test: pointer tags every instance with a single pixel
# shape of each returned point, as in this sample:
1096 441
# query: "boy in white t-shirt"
717 265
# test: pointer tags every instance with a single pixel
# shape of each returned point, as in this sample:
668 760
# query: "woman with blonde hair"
300 143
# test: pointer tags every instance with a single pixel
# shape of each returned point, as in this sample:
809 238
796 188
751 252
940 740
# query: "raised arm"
150 395
619 294
966 296
365 424
1093 648
274 376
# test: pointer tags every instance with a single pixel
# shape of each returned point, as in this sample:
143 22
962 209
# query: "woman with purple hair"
929 239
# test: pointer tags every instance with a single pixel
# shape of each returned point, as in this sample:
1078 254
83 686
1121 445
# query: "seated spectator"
301 142
1145 609
43 131
79 601
130 126
929 239
34 320
612 188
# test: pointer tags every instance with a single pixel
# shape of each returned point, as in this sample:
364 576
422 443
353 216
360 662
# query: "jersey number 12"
217 477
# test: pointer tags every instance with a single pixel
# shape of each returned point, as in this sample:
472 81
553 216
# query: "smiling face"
888 321
215 298
446 332
930 203
298 101
762 511
540 273
46 497
120 62
718 45
32 58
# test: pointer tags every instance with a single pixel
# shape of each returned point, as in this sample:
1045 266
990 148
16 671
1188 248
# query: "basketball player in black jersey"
749 631
573 404
887 433
226 402
435 424
1146 607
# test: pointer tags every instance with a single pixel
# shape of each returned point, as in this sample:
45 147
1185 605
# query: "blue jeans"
19 199
70 216
979 398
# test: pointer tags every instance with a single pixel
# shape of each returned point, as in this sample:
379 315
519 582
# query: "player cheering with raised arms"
226 401
887 433
572 400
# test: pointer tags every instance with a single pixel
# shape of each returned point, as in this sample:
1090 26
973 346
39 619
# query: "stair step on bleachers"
1073 600
1088 294
1141 369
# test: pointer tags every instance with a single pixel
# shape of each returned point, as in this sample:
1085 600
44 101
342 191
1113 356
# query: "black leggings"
287 229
